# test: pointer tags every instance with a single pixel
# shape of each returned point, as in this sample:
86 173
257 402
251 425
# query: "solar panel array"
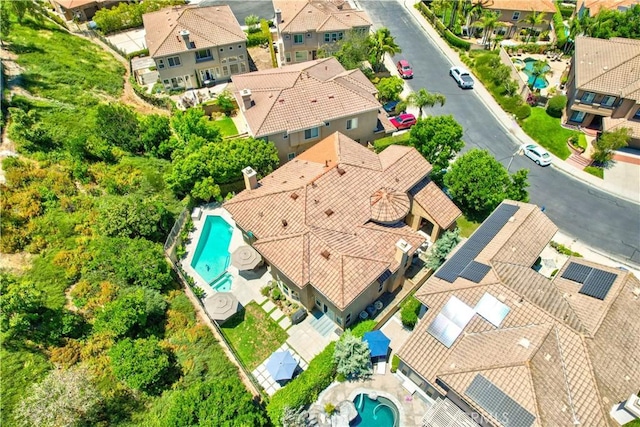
498 404
596 283
490 308
449 323
462 259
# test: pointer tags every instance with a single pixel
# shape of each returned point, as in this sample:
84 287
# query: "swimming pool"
380 413
211 257
541 82
223 284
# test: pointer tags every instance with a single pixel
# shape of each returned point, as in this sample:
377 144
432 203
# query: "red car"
405 70
403 121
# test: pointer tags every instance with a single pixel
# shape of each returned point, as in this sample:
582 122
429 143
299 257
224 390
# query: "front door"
314 55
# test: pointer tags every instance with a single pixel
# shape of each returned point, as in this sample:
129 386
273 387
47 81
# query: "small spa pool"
379 413
211 257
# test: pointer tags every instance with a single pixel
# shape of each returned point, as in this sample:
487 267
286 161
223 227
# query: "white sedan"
537 154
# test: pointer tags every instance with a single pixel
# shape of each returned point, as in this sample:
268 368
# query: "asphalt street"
604 222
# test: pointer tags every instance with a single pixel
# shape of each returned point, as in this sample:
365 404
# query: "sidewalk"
625 188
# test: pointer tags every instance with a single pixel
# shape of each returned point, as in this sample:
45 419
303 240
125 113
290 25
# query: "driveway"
129 41
242 8
602 221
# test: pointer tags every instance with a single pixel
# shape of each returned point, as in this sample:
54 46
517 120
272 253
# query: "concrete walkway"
620 183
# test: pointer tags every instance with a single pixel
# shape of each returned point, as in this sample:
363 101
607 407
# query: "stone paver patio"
264 377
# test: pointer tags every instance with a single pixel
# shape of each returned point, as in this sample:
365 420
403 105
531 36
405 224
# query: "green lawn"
382 143
254 335
466 226
227 127
595 171
547 132
634 423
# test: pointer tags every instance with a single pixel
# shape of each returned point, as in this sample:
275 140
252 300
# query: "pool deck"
557 68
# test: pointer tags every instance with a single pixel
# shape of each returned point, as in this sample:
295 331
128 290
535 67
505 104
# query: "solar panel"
494 401
576 272
492 310
453 268
475 271
458 312
598 283
444 330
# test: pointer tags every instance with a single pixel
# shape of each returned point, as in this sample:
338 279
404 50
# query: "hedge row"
451 38
409 312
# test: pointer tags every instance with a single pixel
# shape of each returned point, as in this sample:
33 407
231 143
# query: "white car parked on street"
462 77
537 154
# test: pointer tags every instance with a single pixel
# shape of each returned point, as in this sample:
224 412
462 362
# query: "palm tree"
575 29
533 20
540 68
424 98
488 22
382 42
439 7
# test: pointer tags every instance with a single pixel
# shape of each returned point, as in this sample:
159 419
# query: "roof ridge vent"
325 254
284 223
525 343
340 171
329 212
294 196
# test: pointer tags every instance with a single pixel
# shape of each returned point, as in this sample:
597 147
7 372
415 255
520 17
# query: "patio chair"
381 369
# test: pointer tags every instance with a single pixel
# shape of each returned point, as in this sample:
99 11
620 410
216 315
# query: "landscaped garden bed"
275 295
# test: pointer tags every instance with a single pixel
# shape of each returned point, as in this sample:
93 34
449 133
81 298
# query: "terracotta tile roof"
580 355
208 27
609 124
303 96
324 197
319 15
443 211
522 5
70 4
608 66
595 6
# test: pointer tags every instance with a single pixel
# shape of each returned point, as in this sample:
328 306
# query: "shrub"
352 357
522 112
265 291
395 361
276 294
556 106
409 312
363 327
564 250
256 39
329 408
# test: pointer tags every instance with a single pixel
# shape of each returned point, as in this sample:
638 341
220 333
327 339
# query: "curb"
508 124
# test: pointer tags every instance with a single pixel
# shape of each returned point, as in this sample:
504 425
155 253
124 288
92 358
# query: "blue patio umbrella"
378 343
281 365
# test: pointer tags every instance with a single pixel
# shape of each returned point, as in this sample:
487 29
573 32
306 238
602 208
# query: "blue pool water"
541 83
223 284
378 413
211 258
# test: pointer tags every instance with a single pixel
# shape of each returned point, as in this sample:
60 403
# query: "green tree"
192 122
422 98
252 22
352 357
132 216
142 364
442 247
608 142
533 20
351 51
510 87
389 88
21 307
488 22
131 312
64 398
381 43
154 135
216 402
478 183
118 125
5 21
206 190
226 102
438 139
539 70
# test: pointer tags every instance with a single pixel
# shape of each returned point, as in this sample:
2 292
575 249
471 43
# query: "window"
516 16
352 123
221 49
230 47
347 319
225 70
637 114
608 101
380 287
578 116
301 56
174 61
239 46
241 57
311 133
339 320
318 303
167 83
232 59
203 55
243 68
291 156
333 37
298 39
160 64
287 56
588 97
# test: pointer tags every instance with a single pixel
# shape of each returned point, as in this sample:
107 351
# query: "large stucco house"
603 88
296 106
195 46
509 346
339 224
512 15
306 26
593 7
81 10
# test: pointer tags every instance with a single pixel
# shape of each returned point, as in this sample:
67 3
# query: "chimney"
185 37
246 99
278 18
250 178
402 251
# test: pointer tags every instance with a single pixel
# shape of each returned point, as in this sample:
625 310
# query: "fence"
523 87
173 241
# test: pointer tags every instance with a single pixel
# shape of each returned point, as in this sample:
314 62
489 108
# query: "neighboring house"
81 10
299 105
603 88
306 26
515 348
195 46
593 7
338 224
512 14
